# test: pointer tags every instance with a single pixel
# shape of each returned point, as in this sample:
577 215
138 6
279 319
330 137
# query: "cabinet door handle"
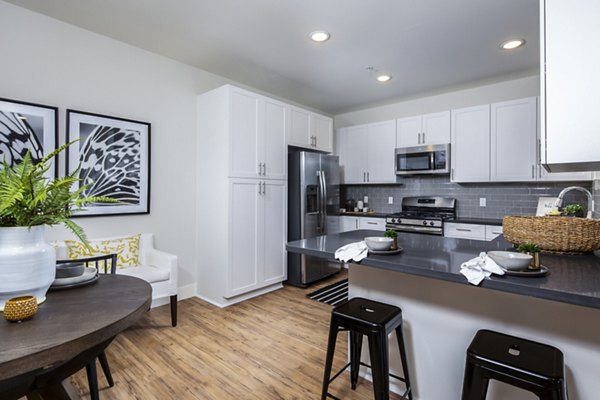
419 138
372 223
497 233
532 171
264 169
368 177
315 141
259 188
452 173
259 168
423 137
264 188
463 230
364 176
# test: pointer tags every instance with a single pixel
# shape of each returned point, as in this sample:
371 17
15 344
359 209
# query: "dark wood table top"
70 322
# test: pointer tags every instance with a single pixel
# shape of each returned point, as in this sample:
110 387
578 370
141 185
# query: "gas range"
422 215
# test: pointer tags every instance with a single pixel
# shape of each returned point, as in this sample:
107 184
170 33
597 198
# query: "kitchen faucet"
590 206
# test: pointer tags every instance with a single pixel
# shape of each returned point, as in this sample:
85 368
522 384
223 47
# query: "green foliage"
573 209
528 247
390 233
29 198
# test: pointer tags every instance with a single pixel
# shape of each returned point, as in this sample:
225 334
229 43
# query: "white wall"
49 62
507 90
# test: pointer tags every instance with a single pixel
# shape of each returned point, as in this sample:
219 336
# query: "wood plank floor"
271 347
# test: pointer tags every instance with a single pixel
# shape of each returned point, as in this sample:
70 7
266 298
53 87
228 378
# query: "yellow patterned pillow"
127 250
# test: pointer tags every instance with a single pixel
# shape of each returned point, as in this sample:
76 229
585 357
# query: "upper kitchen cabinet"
257 135
367 152
513 153
423 129
310 130
569 85
470 144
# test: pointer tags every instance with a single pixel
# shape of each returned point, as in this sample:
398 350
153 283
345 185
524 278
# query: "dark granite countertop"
477 221
571 279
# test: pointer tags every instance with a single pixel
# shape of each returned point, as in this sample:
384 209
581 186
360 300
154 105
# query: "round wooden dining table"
71 328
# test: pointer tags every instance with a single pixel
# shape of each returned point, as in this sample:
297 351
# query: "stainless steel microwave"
430 159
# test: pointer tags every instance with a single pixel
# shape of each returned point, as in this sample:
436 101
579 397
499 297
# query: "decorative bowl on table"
20 308
378 243
69 269
510 260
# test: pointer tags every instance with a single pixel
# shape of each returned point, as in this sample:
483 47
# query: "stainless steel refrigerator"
313 199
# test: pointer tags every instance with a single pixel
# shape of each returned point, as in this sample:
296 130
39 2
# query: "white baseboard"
242 297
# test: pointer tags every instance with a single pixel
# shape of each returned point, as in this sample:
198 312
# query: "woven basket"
557 234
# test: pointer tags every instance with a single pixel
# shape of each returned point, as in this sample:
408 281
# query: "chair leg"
174 310
402 348
92 379
333 331
378 351
106 369
475 384
355 348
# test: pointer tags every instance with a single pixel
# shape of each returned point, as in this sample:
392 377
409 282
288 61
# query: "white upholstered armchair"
154 266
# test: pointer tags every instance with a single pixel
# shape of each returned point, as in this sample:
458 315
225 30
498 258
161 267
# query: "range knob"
431 223
425 223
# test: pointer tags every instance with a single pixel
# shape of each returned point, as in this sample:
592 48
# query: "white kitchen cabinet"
349 223
569 85
240 218
464 231
310 130
472 231
258 135
377 224
367 152
256 235
423 129
352 223
470 144
321 130
513 152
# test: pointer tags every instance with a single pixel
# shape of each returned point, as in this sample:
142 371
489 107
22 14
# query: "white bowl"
510 260
378 243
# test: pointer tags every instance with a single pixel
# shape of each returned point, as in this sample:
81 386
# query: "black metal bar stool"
529 365
375 320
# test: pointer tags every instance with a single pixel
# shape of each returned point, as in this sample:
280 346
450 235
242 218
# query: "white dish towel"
479 268
354 251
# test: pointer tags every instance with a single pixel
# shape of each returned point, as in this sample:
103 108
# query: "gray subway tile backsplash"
501 198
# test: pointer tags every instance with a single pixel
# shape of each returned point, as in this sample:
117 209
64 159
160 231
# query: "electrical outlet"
390 200
366 199
482 202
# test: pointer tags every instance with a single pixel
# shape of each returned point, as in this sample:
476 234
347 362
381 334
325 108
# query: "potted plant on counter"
29 201
574 210
392 234
534 251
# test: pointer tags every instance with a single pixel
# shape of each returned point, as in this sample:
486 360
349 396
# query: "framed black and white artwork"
112 157
27 127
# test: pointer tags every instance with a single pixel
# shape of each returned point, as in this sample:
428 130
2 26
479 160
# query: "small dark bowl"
69 270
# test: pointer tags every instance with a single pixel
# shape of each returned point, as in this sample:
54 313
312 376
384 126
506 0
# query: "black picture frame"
113 158
28 126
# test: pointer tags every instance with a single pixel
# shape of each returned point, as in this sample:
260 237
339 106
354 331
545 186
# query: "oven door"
432 159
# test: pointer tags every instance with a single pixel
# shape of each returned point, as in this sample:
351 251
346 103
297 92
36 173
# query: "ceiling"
428 46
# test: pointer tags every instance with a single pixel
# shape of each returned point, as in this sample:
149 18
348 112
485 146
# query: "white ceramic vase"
27 263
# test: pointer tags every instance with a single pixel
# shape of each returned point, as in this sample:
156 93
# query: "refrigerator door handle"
323 209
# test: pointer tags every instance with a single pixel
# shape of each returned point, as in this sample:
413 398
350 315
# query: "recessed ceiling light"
319 36
512 44
384 78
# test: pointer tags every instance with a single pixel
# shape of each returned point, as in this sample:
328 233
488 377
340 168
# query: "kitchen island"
442 311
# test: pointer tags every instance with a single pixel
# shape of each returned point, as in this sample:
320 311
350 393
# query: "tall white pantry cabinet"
242 191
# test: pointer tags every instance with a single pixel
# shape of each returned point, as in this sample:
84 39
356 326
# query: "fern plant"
28 198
